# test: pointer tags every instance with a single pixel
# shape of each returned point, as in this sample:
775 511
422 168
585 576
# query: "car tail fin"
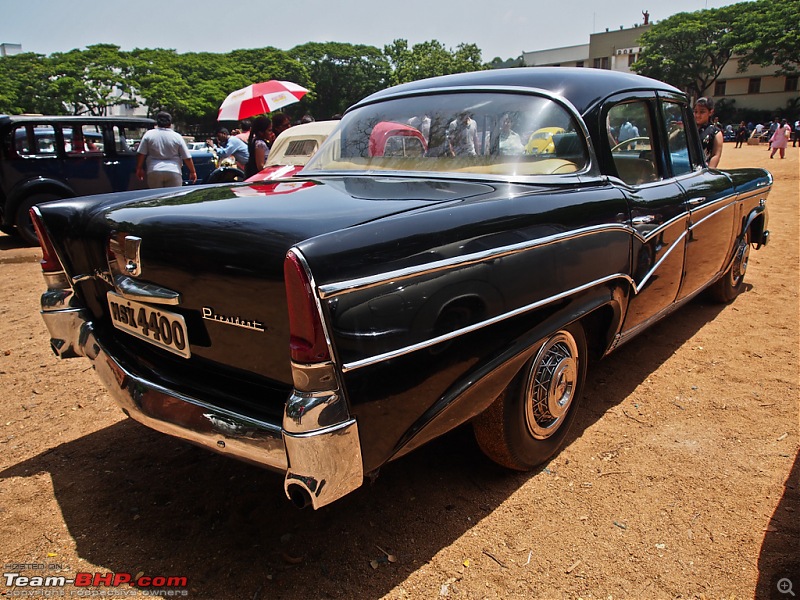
308 342
50 262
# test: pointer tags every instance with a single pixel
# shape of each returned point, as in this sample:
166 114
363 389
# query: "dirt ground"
680 479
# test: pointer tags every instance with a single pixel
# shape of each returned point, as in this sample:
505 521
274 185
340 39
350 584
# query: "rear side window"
127 138
83 139
35 140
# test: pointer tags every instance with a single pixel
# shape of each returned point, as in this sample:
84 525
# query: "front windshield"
473 133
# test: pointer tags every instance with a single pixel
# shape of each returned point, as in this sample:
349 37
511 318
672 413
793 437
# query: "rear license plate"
159 327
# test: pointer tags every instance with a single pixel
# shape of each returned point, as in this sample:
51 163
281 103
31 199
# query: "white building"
7 49
758 88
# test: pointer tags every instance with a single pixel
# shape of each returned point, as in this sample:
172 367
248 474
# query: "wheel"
528 423
22 220
731 284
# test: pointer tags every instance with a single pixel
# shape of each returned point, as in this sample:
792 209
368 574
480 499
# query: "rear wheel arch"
459 312
601 326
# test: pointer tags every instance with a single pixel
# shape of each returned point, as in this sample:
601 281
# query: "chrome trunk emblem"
244 323
131 253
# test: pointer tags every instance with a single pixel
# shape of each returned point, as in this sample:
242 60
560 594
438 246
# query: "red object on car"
396 139
292 149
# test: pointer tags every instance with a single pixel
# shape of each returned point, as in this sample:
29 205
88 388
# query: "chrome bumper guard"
321 459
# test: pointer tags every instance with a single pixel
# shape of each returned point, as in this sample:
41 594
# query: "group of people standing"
162 150
778 134
250 148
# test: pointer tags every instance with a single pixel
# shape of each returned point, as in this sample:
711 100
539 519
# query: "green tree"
768 33
688 50
156 78
430 59
26 85
499 63
263 64
342 74
92 80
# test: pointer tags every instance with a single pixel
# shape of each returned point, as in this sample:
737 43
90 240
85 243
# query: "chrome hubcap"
551 385
740 261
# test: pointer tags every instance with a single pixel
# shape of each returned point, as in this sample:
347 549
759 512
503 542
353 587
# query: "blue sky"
504 29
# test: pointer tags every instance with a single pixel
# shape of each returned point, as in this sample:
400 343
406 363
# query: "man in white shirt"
162 150
462 136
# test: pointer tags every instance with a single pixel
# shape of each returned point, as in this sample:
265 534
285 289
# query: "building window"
632 59
596 63
579 63
754 86
719 88
605 63
791 83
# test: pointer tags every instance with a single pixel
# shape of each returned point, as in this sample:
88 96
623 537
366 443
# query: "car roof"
68 119
310 129
581 86
316 130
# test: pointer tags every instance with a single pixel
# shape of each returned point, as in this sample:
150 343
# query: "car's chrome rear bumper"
322 463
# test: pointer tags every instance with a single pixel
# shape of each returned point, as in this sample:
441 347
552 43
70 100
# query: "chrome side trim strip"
636 330
730 203
343 287
658 230
485 323
658 263
710 215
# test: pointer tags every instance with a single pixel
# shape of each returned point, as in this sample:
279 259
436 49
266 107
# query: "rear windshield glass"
481 133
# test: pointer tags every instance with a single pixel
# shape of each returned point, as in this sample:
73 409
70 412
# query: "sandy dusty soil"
680 479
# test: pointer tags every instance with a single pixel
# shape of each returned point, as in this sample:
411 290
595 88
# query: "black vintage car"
326 324
44 158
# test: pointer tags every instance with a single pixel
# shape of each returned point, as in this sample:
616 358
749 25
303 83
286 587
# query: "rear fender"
599 309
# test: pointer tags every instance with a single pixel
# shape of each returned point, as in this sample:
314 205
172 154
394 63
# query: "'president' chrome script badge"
210 315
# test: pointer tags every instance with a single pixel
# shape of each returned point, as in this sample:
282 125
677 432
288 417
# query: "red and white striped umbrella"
259 98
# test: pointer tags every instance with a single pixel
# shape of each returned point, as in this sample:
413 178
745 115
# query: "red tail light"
307 337
49 262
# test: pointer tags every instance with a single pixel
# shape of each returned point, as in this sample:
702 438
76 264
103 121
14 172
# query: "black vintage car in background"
45 158
326 324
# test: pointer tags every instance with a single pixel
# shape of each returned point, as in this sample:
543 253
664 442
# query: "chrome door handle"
696 201
643 220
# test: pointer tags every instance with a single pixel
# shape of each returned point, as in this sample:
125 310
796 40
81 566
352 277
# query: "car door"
119 162
658 213
84 155
709 198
